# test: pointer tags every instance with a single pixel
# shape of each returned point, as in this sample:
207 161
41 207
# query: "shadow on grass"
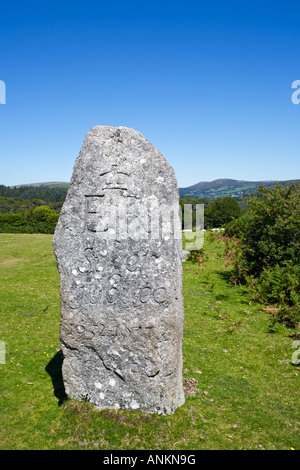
226 276
54 369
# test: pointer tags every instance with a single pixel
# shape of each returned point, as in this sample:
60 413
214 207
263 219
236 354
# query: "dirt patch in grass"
190 387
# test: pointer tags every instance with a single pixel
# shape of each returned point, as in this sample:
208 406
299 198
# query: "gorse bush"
269 256
270 230
235 228
279 284
42 219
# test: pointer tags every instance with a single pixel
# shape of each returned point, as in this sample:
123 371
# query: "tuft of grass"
241 386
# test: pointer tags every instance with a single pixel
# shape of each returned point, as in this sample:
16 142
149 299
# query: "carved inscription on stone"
119 257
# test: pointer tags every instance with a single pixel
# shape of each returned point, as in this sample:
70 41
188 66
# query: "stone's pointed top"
113 127
120 134
121 153
103 129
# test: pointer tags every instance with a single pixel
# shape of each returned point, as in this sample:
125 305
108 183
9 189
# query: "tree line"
30 209
47 194
20 209
217 213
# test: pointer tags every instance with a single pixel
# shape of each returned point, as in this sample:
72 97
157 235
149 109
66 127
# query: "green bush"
39 220
269 255
235 228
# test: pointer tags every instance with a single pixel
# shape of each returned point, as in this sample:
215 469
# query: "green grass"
243 388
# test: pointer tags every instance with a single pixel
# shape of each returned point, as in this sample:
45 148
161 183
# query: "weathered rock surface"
118 250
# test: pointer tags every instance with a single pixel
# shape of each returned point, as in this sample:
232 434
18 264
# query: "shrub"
269 255
39 220
235 228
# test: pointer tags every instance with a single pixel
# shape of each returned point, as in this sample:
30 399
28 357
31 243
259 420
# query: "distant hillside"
56 190
45 192
62 184
226 187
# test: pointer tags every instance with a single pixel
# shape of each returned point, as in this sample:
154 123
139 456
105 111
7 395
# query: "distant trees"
53 193
222 211
24 200
216 213
192 201
30 209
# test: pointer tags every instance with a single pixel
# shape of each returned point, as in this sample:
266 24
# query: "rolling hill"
226 187
204 189
50 183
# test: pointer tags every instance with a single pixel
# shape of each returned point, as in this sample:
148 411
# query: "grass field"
242 390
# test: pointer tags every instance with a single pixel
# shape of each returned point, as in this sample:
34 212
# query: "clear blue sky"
208 83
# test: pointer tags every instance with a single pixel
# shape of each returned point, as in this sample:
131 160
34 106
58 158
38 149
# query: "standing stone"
118 250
